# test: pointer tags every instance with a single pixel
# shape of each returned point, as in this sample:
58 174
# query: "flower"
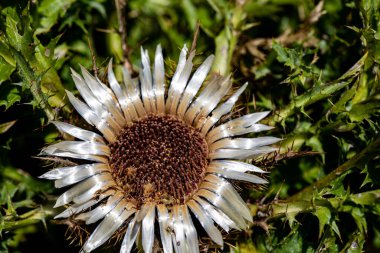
163 158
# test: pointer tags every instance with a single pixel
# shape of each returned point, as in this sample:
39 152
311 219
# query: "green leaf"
316 145
190 11
293 243
5 70
366 198
362 111
18 32
245 247
51 10
328 243
356 243
7 63
359 217
9 95
35 63
291 216
5 53
324 216
335 228
290 57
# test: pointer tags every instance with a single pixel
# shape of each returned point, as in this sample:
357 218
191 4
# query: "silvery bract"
163 156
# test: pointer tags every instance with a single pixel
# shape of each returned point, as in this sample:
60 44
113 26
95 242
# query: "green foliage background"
315 65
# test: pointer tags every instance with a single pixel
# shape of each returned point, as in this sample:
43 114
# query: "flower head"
163 158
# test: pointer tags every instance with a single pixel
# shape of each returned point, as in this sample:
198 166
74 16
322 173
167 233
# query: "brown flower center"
159 159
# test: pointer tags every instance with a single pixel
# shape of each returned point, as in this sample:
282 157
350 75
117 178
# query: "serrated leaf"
328 243
290 57
10 210
18 31
316 145
5 70
359 217
356 243
5 53
51 10
293 243
7 63
366 198
337 186
8 96
35 63
291 216
324 216
335 228
362 111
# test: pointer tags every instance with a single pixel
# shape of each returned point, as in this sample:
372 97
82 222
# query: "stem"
120 10
32 83
29 218
93 57
293 207
195 37
226 41
11 225
317 93
365 155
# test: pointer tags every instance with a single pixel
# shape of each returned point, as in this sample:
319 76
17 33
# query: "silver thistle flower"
161 156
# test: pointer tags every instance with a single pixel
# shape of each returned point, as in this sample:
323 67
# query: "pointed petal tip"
69 93
43 152
110 65
210 58
44 176
73 72
85 71
262 181
266 113
58 203
59 216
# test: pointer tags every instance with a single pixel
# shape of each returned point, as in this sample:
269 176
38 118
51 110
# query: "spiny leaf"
9 95
362 111
366 198
5 70
324 216
51 10
335 228
290 57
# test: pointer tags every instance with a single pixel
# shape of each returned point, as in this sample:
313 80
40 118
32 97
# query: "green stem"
11 225
293 207
226 41
316 94
29 218
32 83
364 156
